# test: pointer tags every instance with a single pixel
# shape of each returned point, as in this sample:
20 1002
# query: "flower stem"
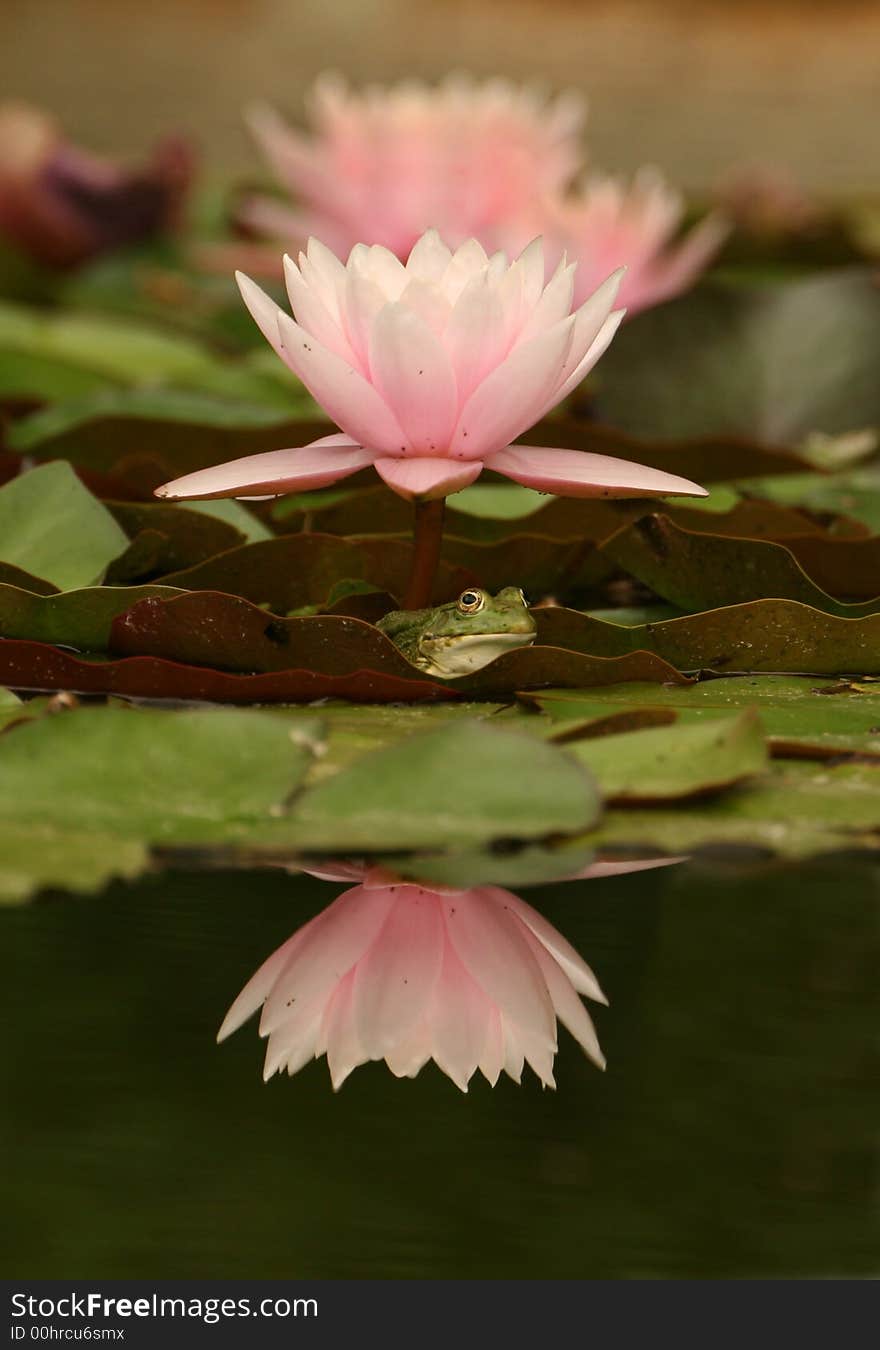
427 538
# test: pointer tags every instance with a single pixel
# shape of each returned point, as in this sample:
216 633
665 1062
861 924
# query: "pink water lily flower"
384 165
431 369
609 224
473 979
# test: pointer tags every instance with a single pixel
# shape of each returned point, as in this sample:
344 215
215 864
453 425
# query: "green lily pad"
681 762
121 352
35 857
153 775
823 718
459 786
855 492
797 810
79 618
52 527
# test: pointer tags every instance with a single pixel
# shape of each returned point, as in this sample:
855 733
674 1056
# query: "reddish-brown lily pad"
296 570
37 666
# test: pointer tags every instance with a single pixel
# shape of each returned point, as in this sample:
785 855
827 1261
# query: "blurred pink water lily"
62 205
608 224
385 165
431 369
473 979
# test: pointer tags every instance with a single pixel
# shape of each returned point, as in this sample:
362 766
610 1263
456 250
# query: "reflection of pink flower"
63 205
431 370
472 979
386 165
608 225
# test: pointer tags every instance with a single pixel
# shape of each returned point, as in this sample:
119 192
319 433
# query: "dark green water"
734 1133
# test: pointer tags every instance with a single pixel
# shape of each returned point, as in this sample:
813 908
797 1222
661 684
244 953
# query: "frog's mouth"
451 656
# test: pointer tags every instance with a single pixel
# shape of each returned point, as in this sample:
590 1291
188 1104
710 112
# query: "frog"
456 639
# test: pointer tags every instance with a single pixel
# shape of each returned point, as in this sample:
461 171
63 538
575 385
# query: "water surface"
733 1134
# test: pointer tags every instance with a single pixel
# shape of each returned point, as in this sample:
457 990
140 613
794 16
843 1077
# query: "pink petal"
569 1009
325 273
294 1042
577 473
585 365
615 869
411 1054
313 315
554 304
419 477
589 321
412 372
459 1019
537 1053
668 275
382 267
263 311
343 393
429 258
429 303
560 949
493 950
475 335
510 398
258 987
339 1033
395 979
361 301
492 1057
334 941
468 260
513 1052
311 466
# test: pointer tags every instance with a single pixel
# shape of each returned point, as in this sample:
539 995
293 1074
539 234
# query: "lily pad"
660 764
37 856
761 635
39 667
459 786
52 527
77 618
122 352
182 538
698 571
145 437
153 775
822 717
297 570
798 810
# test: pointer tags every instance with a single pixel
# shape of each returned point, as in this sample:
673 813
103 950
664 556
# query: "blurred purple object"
62 205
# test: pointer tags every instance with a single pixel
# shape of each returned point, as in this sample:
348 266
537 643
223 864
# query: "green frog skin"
456 639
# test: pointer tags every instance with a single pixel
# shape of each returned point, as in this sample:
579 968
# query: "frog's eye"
470 602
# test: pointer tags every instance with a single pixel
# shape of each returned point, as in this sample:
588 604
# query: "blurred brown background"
694 85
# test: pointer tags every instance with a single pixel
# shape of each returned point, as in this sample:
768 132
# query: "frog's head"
466 635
